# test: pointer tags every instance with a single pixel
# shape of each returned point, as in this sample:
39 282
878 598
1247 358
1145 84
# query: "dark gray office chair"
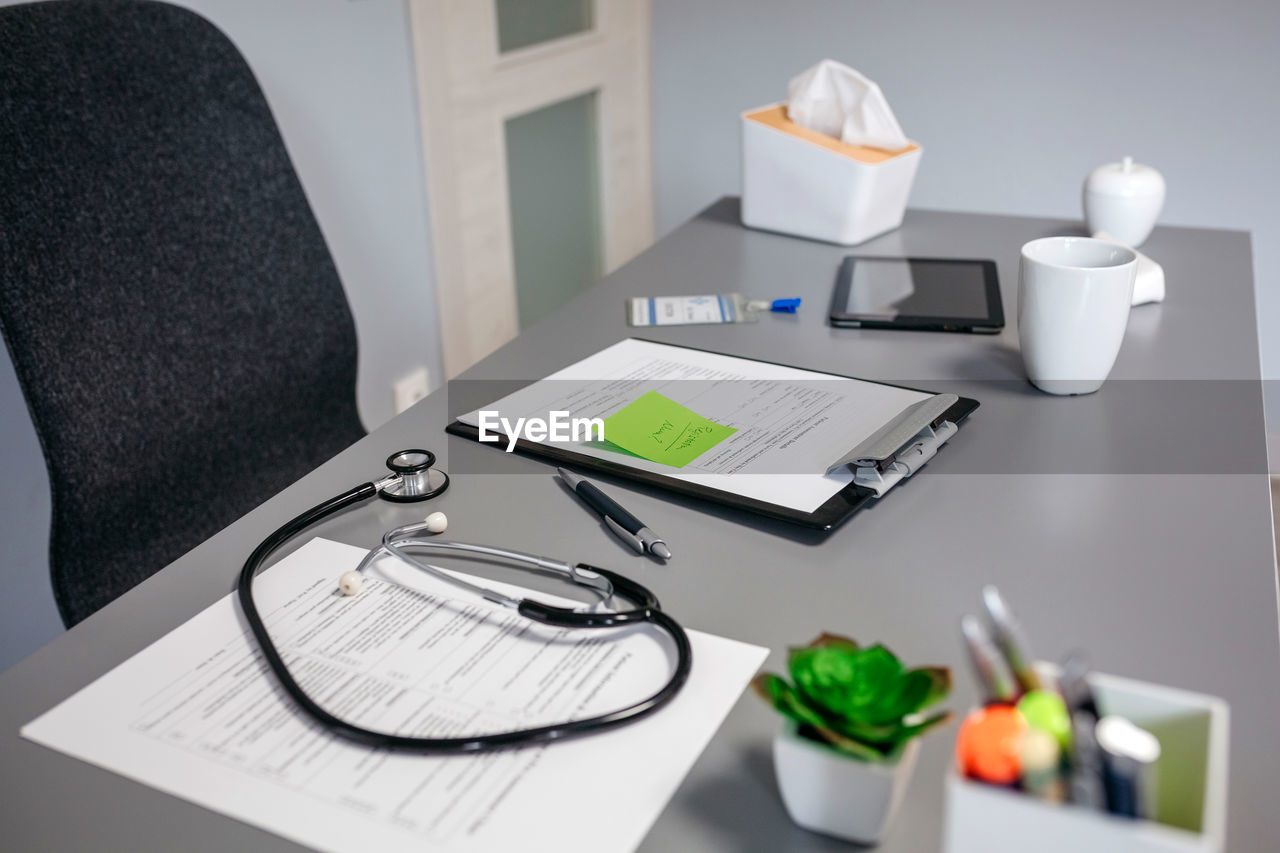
175 320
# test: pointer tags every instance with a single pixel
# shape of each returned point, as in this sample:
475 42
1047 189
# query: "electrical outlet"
410 389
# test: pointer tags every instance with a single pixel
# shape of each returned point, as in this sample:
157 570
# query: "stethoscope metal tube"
398 540
414 479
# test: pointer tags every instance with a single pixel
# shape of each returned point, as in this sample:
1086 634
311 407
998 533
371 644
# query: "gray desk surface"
1149 543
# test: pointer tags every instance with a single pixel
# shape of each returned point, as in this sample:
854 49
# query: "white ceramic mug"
1073 305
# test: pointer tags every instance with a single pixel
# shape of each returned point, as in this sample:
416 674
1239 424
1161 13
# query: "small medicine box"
798 181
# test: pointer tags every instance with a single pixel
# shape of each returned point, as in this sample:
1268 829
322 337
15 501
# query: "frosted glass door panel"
524 23
554 186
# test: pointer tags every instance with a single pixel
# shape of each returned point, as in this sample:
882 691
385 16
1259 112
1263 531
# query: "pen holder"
1191 787
798 181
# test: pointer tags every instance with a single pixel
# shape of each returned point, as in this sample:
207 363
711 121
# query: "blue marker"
780 306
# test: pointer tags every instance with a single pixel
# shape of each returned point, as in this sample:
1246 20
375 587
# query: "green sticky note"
662 430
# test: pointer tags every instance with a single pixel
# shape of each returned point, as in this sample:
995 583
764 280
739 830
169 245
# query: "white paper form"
792 424
197 714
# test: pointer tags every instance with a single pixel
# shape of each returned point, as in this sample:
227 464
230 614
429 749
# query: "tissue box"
1191 788
798 181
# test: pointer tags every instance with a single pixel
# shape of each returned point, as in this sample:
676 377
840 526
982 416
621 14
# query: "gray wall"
1014 102
339 77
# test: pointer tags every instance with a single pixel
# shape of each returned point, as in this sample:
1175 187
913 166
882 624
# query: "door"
535 117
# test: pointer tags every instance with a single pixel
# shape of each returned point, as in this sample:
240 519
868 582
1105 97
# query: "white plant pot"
829 792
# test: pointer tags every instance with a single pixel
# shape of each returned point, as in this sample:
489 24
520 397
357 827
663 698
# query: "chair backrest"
173 315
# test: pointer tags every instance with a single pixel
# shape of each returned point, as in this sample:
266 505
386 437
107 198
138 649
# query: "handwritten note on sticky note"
662 430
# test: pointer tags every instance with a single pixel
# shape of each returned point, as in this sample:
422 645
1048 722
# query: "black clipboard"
838 508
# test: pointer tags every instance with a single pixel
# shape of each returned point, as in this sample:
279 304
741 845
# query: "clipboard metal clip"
901 447
906 461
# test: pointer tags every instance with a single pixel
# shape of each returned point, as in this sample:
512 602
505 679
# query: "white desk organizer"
1191 788
798 181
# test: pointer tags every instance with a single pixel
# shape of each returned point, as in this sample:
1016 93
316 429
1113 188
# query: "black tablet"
938 294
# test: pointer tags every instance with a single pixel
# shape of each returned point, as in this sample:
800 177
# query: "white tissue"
834 99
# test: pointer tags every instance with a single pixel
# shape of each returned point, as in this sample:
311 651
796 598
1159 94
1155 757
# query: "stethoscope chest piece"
412 477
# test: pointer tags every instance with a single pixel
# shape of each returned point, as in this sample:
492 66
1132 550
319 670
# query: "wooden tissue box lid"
776 117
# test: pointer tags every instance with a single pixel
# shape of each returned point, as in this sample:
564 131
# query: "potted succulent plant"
848 742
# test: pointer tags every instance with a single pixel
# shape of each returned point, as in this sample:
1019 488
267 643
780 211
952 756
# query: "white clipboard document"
198 715
809 447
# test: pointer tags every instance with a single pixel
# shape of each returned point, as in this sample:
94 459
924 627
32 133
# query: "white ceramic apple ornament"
1124 200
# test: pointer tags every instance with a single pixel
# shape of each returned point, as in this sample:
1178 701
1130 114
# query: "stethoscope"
413 478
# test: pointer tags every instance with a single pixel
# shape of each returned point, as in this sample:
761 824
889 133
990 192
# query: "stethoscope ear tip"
351 583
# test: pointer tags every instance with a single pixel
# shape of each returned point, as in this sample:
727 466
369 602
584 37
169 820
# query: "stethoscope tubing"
649 611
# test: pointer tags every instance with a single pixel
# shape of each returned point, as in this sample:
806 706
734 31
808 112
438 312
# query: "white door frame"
467 90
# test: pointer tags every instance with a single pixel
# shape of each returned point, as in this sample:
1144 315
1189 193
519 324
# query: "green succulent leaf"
844 683
876 671
887 738
834 641
849 745
906 733
909 693
929 722
821 675
779 694
940 684
867 732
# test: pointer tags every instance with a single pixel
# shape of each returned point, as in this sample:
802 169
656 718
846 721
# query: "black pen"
626 526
